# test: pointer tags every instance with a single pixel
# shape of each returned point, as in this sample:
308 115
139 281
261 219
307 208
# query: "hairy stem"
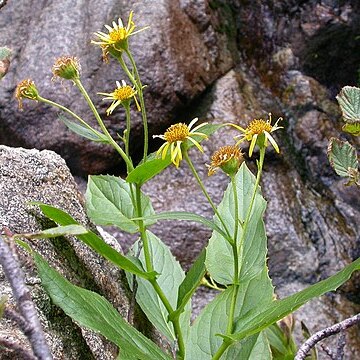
116 146
197 177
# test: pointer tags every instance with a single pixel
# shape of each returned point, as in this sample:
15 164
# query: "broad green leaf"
55 232
184 215
146 171
109 201
204 341
282 347
94 312
4 53
207 129
95 242
264 316
83 131
190 283
3 301
219 255
255 289
342 157
353 129
169 280
349 101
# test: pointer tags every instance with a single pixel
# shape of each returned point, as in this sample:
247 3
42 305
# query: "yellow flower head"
227 158
122 95
259 130
118 35
175 135
66 67
26 89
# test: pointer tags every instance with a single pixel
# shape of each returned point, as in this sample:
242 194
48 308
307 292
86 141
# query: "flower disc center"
124 93
177 132
258 127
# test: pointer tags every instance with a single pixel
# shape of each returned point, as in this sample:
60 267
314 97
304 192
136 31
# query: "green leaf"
95 242
3 301
342 157
282 347
94 312
266 315
190 284
255 289
207 129
184 215
349 101
4 53
169 280
219 255
55 232
146 171
109 201
83 131
353 129
204 341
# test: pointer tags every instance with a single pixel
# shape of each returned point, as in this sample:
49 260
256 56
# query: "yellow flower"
122 95
26 89
118 35
175 135
66 67
259 130
227 158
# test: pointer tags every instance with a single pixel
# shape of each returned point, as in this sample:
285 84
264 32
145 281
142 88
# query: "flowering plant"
240 323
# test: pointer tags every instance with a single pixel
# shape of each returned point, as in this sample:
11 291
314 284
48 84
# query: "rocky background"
221 61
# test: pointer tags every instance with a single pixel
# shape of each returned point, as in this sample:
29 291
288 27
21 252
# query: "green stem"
65 109
142 104
103 127
128 128
149 267
197 177
230 325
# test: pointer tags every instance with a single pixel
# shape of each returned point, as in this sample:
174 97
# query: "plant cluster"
240 323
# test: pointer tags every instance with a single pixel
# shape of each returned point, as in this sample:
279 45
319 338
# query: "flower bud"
67 67
26 89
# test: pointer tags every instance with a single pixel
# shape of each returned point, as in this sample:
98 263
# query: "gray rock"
31 175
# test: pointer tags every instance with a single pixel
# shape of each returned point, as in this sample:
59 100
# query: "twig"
17 348
15 276
322 334
13 315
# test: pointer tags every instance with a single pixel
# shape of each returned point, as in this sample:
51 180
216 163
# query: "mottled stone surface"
31 175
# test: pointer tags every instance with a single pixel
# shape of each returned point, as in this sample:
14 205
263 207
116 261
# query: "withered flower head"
26 89
227 158
66 67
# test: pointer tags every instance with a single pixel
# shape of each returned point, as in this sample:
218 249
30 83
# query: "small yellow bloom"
118 35
175 135
227 158
66 67
256 130
122 95
26 89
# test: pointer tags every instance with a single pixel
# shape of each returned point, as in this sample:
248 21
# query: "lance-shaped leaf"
95 242
84 131
263 317
349 101
55 232
190 284
184 215
109 201
342 157
94 312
